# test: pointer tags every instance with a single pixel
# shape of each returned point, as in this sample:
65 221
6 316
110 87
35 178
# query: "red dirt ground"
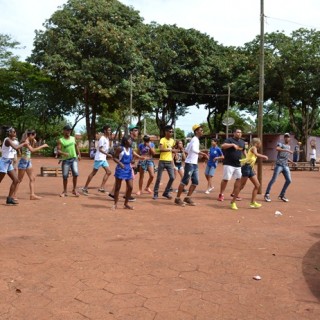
75 259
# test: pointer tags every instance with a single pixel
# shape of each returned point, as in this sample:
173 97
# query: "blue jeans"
191 171
286 173
164 165
67 165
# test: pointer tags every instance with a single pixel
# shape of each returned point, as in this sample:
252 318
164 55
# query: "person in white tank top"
9 148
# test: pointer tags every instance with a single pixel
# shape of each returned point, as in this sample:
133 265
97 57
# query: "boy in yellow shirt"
165 163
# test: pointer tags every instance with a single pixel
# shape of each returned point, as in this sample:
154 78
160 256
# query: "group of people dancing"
175 158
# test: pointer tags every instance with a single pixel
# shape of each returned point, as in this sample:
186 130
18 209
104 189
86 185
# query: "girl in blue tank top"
123 157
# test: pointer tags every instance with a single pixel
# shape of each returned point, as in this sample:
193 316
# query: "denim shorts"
100 163
6 165
24 164
178 166
210 170
67 165
145 164
247 171
190 171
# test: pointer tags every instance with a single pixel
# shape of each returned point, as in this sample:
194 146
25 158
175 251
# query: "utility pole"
228 107
261 92
130 98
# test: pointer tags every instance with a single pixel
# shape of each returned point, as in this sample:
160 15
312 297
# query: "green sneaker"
233 206
255 205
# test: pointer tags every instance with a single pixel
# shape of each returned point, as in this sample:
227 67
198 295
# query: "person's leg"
236 191
185 179
287 175
159 175
65 166
105 178
21 173
32 179
276 171
227 174
256 186
75 174
223 186
117 187
15 181
90 176
151 177
141 177
170 171
128 194
2 175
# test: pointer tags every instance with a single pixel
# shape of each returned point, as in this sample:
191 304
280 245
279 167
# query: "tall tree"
90 46
183 62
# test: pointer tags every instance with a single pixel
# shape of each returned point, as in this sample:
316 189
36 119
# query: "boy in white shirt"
191 167
100 160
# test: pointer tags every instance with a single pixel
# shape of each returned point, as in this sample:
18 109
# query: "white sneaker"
210 189
207 192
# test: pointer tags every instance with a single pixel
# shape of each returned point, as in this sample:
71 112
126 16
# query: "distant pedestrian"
69 151
6 167
215 154
146 149
233 149
281 166
296 152
313 155
191 167
100 161
165 163
25 165
247 170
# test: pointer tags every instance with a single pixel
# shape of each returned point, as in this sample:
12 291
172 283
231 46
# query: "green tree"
184 62
90 46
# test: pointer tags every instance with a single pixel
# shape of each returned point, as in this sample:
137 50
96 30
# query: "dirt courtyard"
76 259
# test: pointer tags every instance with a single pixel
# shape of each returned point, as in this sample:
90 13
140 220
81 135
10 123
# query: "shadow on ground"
311 267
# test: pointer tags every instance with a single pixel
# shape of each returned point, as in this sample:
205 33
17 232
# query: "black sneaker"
111 195
166 195
11 201
131 199
267 197
283 198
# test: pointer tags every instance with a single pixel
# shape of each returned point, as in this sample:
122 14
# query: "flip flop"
126 206
76 193
63 194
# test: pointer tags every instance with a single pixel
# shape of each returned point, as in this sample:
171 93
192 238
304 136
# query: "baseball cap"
133 126
195 127
67 127
287 134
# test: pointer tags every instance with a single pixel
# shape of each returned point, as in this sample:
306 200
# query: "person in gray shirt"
281 166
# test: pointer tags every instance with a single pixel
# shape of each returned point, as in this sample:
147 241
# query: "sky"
229 22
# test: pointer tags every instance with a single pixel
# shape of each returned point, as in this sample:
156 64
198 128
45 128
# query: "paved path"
75 259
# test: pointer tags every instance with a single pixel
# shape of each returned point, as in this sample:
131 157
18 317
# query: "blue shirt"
214 152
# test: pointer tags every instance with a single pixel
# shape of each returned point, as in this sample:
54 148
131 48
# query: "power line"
290 21
200 94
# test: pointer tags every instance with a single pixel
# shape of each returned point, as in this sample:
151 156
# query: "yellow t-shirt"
166 143
250 159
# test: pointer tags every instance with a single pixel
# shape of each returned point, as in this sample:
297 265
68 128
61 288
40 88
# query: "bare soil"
76 259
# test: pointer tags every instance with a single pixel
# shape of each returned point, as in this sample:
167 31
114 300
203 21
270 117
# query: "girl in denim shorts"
247 170
25 165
